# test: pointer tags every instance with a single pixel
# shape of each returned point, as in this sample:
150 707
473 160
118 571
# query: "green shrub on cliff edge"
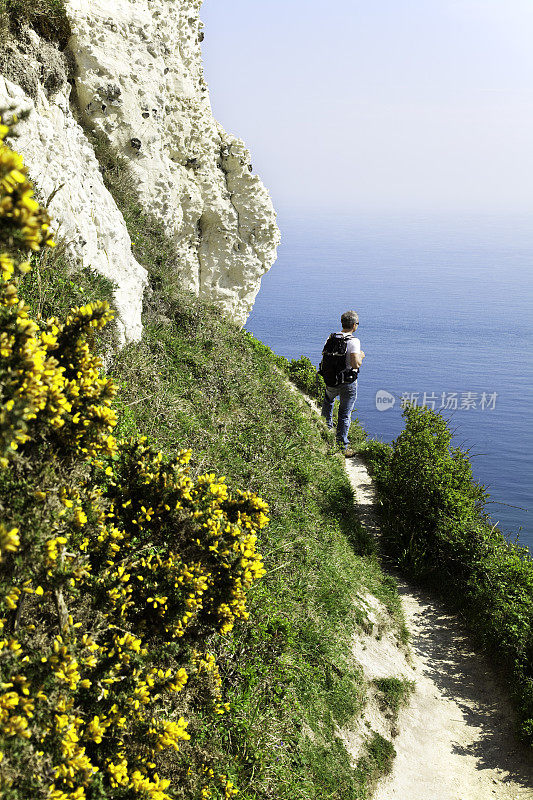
304 375
436 526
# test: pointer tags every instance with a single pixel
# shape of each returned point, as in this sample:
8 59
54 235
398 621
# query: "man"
345 385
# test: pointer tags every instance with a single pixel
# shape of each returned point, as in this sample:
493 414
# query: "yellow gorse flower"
149 556
19 211
9 540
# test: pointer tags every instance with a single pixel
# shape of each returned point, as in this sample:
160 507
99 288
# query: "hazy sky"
379 104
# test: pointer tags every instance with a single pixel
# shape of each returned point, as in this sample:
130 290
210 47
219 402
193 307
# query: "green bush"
436 526
304 375
376 455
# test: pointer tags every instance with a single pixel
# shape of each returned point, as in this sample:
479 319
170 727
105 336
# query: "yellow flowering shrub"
48 375
190 545
117 566
22 220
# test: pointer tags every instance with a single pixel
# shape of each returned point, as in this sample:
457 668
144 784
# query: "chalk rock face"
140 83
137 71
85 217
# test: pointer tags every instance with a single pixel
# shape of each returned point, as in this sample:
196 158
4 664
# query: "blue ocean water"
445 319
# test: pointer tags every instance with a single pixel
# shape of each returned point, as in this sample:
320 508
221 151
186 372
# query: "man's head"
348 320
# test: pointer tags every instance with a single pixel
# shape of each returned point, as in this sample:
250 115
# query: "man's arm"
356 359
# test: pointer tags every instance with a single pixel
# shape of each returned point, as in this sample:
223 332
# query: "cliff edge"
130 71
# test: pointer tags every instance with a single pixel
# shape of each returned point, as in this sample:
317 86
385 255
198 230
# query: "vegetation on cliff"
148 649
116 563
47 17
436 526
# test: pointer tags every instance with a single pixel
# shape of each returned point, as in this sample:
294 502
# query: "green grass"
378 759
393 694
196 380
52 288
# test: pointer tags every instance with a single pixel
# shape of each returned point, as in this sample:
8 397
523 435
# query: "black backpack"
333 365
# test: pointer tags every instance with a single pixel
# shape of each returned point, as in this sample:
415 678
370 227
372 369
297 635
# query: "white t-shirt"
353 346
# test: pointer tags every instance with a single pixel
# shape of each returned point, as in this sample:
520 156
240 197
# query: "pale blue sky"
379 104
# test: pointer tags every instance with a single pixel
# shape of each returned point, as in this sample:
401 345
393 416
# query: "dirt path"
456 736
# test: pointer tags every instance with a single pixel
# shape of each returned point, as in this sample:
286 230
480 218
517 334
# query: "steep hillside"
160 638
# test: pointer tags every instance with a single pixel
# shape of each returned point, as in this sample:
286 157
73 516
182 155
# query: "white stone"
140 84
84 214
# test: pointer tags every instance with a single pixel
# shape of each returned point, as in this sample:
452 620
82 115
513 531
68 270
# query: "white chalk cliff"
138 82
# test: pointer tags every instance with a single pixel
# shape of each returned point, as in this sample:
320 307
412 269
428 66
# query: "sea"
445 313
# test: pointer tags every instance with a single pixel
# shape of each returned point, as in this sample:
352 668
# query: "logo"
384 400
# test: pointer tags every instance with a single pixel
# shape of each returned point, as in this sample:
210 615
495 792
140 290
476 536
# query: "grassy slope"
208 386
196 380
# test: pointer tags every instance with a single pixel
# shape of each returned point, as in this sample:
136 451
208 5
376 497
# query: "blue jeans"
347 394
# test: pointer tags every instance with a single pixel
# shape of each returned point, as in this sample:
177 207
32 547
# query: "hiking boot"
349 452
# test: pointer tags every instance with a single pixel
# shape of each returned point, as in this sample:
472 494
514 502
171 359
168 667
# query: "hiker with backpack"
341 359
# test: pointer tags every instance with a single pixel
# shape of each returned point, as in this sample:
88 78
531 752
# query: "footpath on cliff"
456 736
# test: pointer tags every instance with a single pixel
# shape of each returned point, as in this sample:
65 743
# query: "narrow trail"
455 738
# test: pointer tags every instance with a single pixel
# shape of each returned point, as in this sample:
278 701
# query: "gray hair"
349 319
